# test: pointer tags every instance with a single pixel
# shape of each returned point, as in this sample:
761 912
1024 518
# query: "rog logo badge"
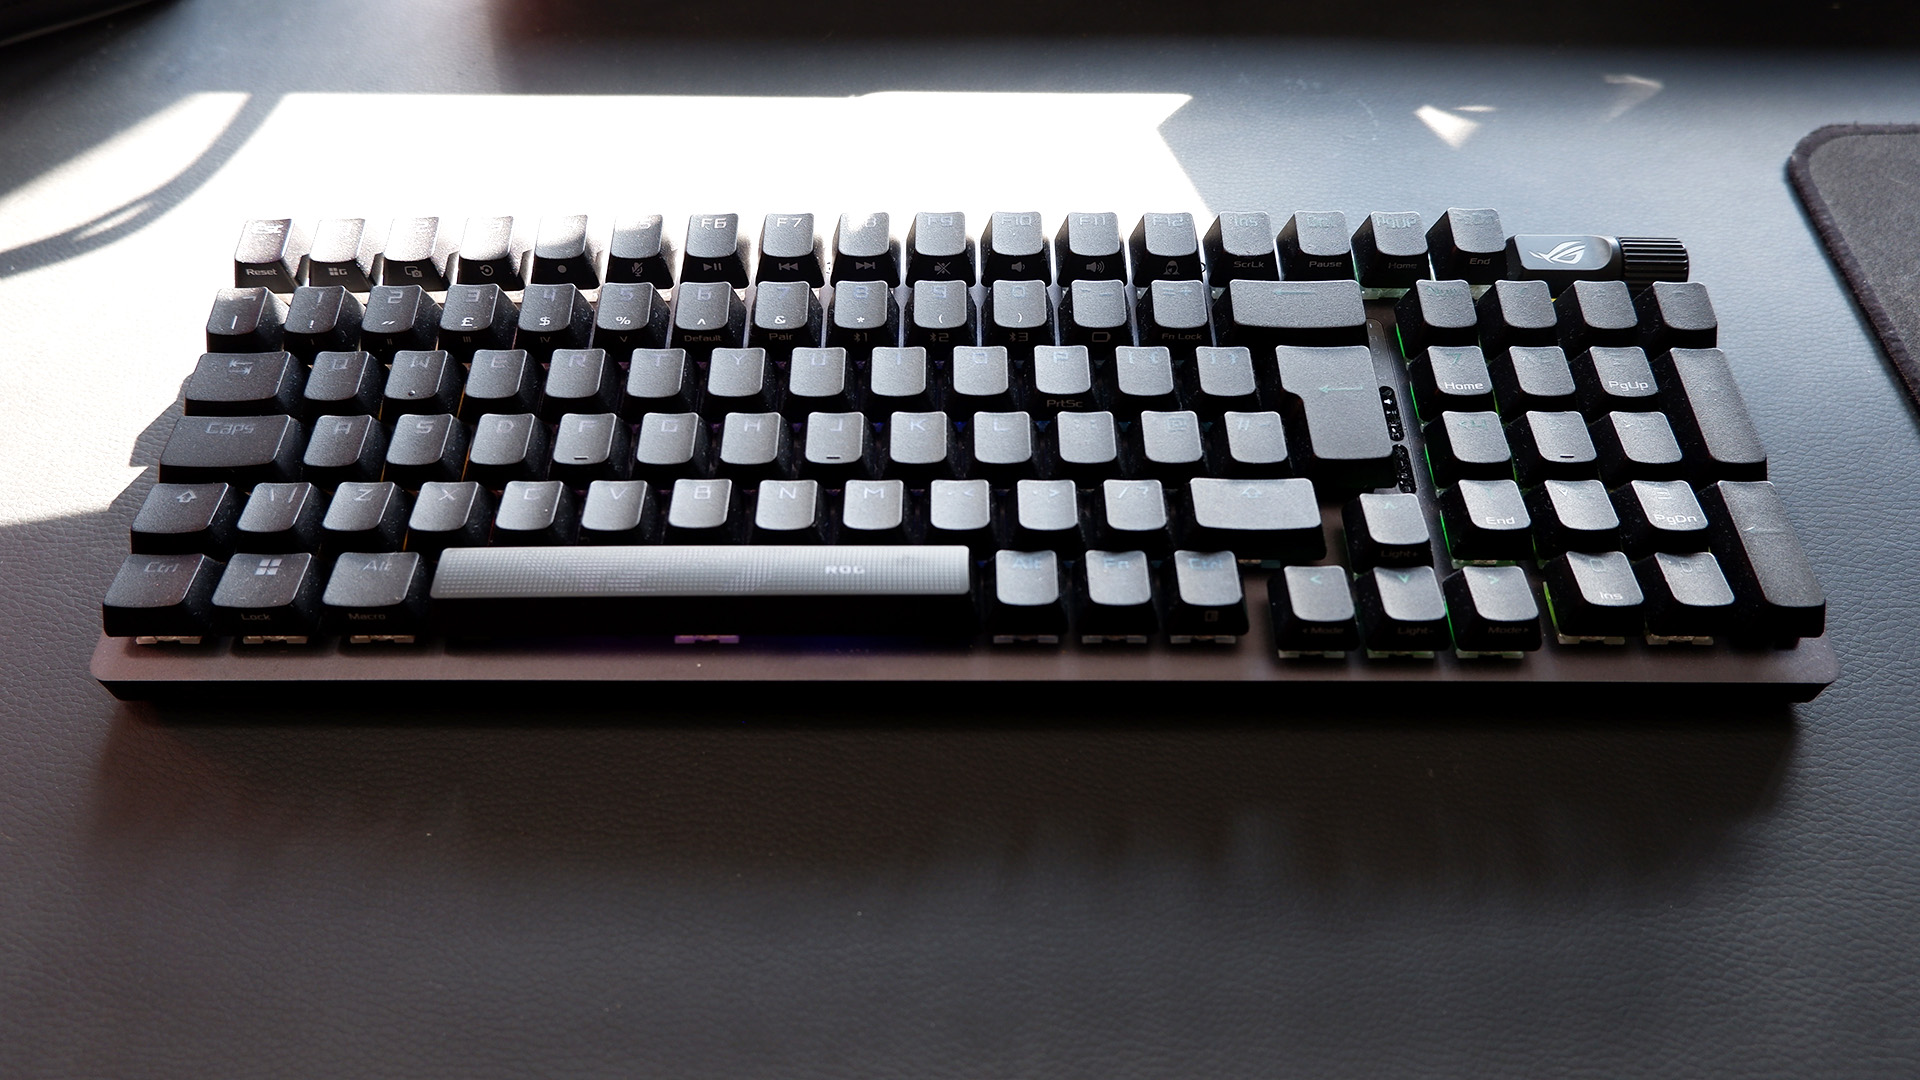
1566 253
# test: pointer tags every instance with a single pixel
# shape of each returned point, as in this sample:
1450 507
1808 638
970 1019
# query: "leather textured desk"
874 886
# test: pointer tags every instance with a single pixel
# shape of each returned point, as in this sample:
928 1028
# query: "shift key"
1335 420
242 450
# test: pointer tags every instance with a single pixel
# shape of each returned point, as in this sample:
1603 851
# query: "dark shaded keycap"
1018 316
424 448
1255 519
268 255
864 250
1087 247
1046 516
1165 247
788 512
899 379
477 317
839 446
715 251
755 446
980 380
873 512
671 446
865 316
553 317
322 320
1676 315
1386 530
1113 598
1469 445
161 596
449 515
1593 595
786 316
1402 610
245 321
640 252
1752 537
415 254
1142 379
1335 418
342 383
1486 520
500 381
1174 314
1436 313
1572 515
177 519
789 250
399 317
630 316
1222 380
1262 314
244 384
1096 314
1517 313
617 512
1636 446
1608 379
1204 600
1002 445
1552 445
364 517
589 447
535 513
1085 446
1063 378
1532 379
562 254
1131 515
961 512
1660 515
1469 245
1596 313
702 512
1312 610
740 381
938 249
940 315
420 382
580 381
240 450
1013 247
1686 596
342 254
263 596
818 380
1025 601
375 594
1171 446
1240 245
1390 250
488 254
281 517
344 448
1251 444
1709 416
706 316
661 380
1451 378
1491 610
1313 246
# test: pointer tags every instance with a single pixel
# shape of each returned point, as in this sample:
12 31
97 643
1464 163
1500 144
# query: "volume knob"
1647 259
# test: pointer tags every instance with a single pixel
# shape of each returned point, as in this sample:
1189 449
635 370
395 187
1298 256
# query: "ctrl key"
268 599
376 597
161 599
1312 612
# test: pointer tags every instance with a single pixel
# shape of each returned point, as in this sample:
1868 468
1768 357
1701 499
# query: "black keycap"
342 254
864 250
161 596
1252 444
1087 247
1165 247
1013 247
476 318
580 381
420 382
1451 378
1172 448
262 596
1572 515
1596 313
1312 609
818 380
740 381
1402 610
1314 246
1046 516
1098 315
240 450
553 317
322 319
630 316
1085 446
1532 379
1203 596
961 512
1779 598
268 255
1018 316
1636 446
562 254
899 379
1255 519
1608 379
1335 418
640 253
873 512
178 519
424 448
786 316
755 446
415 254
1436 313
1131 515
1491 610
399 317
244 384
1002 445
1175 314
865 315
375 595
706 316
534 513
500 381
1593 595
1390 250
1223 380
788 512
1676 315
789 250
343 383
281 517
1240 245
702 512
1552 446
245 321
344 448
1470 445
1063 378
1486 521
1660 515
938 249
1709 416
661 381
1686 596
1468 245
1025 602
839 446
364 517
940 316
1386 530
1262 314
715 251
616 512
449 515
589 447
489 254
920 447
1113 598
1517 313
980 380
672 446
1142 379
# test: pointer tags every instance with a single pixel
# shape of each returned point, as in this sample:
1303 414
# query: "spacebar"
883 591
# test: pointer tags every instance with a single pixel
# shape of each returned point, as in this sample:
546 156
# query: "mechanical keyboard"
1256 450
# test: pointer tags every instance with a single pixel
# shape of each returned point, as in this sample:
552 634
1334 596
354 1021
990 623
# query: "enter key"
1335 419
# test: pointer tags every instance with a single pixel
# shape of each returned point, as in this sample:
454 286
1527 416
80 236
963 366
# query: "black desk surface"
680 888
